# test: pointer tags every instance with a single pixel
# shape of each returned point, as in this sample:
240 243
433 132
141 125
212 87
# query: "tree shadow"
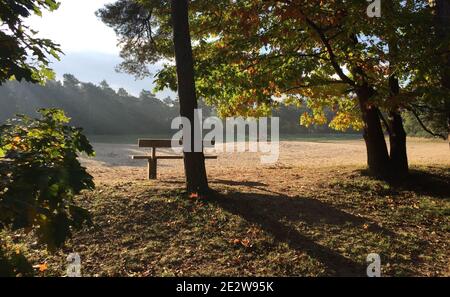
238 183
434 182
268 211
175 182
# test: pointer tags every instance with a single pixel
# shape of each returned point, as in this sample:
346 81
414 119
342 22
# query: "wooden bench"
153 158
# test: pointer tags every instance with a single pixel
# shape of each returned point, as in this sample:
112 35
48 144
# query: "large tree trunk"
397 140
397 136
194 162
377 153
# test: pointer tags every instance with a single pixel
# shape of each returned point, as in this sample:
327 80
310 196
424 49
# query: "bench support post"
152 164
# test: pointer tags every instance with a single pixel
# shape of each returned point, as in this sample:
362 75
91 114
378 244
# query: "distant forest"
101 110
97 108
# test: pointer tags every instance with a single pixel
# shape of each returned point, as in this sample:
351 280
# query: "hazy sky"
91 53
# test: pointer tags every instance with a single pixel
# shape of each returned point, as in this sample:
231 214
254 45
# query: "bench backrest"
166 143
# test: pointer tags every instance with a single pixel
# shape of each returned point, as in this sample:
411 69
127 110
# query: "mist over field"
101 111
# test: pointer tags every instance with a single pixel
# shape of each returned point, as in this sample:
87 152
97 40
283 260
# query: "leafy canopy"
314 52
250 55
23 56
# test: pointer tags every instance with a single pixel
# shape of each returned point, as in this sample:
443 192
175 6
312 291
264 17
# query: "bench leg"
152 164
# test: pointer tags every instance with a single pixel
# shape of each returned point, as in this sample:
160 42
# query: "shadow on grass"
429 181
269 211
238 183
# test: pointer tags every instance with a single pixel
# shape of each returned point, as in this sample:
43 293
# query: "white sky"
75 26
90 47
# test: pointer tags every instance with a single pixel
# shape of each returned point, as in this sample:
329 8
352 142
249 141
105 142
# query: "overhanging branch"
424 127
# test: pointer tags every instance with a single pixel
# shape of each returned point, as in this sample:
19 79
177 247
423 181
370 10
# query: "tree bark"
448 114
397 136
377 153
397 139
194 162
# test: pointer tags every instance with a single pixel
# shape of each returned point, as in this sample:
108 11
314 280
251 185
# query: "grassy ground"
323 227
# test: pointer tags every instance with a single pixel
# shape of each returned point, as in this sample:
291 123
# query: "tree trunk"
442 12
194 162
397 140
397 136
448 129
377 153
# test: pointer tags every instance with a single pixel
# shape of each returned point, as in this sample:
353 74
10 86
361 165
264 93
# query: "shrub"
40 176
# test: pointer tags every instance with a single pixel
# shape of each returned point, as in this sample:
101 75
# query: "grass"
148 231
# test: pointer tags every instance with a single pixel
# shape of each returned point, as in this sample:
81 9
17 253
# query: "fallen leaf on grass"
246 243
42 267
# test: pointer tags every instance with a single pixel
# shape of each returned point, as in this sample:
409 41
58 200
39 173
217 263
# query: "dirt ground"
113 163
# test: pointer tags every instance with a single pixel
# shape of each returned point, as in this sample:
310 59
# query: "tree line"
97 108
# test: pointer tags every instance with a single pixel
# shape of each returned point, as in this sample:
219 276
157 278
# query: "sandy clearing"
113 163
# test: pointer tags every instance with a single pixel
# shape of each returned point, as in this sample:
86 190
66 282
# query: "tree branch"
330 51
323 82
386 124
425 127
